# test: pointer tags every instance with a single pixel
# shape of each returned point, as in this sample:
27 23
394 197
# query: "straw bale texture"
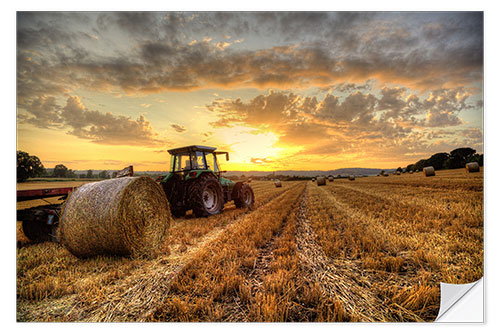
472 167
277 183
321 181
351 177
429 171
127 216
330 178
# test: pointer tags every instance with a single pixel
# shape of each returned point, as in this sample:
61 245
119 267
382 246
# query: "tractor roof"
190 149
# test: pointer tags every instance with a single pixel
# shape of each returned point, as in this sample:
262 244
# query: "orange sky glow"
279 91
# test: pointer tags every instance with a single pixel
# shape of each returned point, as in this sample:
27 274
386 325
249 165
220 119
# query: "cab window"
182 162
199 161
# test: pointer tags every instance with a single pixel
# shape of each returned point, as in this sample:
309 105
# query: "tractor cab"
192 160
195 182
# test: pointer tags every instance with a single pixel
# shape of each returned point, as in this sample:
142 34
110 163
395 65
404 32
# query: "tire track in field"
341 278
266 255
336 281
261 268
126 302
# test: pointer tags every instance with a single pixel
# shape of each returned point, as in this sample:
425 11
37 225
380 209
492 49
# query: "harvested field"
370 250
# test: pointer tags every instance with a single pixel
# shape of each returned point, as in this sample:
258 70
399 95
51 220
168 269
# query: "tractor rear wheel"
206 196
245 197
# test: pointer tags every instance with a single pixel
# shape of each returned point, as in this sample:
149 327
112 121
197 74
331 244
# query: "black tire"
206 197
37 231
245 197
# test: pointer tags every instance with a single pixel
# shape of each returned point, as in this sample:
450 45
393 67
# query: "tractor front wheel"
245 197
206 197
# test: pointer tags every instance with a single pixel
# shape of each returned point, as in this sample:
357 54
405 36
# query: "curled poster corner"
461 303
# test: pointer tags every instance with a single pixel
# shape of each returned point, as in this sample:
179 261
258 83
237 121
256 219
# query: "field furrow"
448 244
341 280
216 278
382 254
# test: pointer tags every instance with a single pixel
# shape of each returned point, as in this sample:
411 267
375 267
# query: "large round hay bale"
429 171
410 172
127 216
277 183
398 173
321 181
351 177
472 167
330 178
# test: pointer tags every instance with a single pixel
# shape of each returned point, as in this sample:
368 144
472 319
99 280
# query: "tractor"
195 183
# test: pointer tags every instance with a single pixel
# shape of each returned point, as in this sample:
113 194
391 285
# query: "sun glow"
250 148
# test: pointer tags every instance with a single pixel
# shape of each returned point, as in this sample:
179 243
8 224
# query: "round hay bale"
127 216
313 179
330 178
351 177
472 167
321 181
410 172
398 173
277 183
429 171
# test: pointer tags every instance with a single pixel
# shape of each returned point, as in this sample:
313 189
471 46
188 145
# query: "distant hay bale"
321 181
277 183
398 173
385 175
330 178
410 172
429 171
127 216
351 177
472 167
313 179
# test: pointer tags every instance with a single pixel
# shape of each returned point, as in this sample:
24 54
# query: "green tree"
71 174
476 158
420 165
60 171
438 160
89 174
28 166
460 156
410 167
399 169
103 174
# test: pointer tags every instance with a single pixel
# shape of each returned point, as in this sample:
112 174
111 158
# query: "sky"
278 90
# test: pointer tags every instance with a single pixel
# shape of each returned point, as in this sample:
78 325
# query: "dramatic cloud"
358 85
353 122
420 50
95 126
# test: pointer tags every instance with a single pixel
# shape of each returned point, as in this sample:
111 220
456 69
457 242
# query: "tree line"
30 166
456 159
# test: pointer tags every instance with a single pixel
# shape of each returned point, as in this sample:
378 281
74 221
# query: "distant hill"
312 173
301 173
